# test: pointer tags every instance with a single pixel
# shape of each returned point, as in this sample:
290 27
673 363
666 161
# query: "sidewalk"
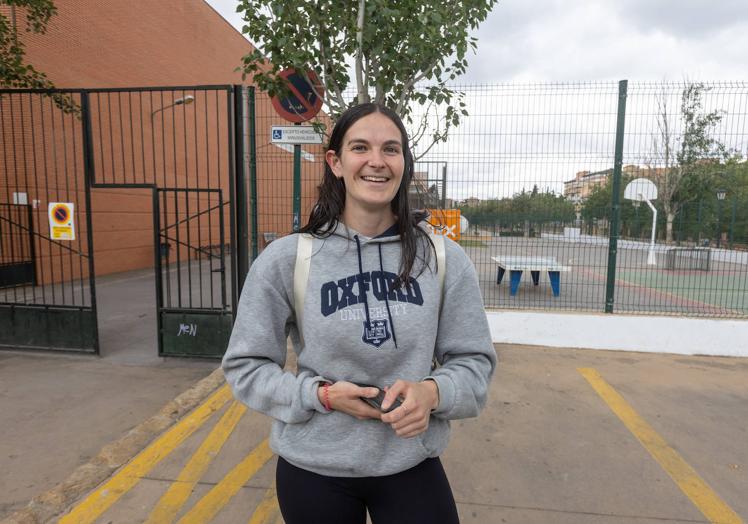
568 436
58 410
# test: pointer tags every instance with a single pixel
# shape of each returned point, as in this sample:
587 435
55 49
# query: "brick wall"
141 43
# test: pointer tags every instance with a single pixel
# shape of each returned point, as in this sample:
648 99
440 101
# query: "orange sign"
449 220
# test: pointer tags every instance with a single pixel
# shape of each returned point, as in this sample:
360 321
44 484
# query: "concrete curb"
85 478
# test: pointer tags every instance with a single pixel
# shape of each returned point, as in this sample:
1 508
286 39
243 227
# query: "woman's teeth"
375 178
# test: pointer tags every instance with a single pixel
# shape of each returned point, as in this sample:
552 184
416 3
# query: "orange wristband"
326 397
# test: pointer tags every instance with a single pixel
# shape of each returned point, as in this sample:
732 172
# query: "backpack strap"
441 261
301 276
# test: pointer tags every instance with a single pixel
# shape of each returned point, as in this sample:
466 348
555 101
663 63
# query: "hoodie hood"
391 234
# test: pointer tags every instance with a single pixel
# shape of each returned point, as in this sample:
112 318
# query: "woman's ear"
331 157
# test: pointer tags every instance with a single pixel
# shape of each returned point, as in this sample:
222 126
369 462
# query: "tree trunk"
669 228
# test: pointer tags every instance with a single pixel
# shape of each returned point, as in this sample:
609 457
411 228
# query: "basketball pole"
651 258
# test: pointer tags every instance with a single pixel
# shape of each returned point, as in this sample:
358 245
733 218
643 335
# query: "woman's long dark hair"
326 212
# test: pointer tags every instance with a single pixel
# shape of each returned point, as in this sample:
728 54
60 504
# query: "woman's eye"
358 147
392 150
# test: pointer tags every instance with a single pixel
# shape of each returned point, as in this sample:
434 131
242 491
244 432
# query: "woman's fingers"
413 429
398 389
346 397
367 392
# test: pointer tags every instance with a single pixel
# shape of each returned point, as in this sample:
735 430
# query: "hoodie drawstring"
387 292
362 288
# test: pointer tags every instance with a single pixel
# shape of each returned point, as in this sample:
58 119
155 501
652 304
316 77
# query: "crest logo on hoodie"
376 333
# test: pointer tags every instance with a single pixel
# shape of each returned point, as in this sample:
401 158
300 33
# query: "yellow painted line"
106 495
267 511
181 489
695 488
209 506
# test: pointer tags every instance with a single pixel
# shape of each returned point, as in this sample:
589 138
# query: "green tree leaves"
14 71
382 49
535 207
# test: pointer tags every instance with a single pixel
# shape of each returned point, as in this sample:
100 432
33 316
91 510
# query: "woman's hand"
345 396
412 417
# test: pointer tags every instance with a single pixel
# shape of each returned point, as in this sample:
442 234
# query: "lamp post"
721 194
178 102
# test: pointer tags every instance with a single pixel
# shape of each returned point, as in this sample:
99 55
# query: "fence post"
732 221
253 170
616 198
296 186
242 233
89 175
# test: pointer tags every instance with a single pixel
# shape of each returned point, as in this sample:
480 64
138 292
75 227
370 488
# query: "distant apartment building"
581 186
424 192
471 202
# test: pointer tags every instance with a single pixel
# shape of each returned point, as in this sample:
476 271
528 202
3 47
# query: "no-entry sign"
304 101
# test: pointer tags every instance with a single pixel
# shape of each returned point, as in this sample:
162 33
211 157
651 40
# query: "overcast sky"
582 40
504 147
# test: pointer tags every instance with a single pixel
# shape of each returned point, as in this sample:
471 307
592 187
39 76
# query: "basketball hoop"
643 190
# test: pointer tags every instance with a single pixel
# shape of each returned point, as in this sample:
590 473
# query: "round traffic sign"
61 213
304 101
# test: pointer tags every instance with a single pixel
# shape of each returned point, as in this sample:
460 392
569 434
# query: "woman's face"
371 163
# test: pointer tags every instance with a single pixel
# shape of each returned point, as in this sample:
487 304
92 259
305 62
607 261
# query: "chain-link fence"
532 169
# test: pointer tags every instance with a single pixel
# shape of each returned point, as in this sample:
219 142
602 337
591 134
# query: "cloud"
685 19
549 41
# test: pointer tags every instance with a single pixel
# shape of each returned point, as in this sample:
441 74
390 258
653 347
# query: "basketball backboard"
640 189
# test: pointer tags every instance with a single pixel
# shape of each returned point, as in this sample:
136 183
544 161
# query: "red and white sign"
305 99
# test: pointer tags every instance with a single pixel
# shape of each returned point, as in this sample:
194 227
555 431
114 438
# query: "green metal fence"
539 172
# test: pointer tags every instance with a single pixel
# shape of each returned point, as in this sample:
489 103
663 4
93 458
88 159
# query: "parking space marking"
694 487
267 511
181 489
102 498
209 506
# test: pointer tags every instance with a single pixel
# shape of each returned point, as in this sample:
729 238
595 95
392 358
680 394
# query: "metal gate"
179 143
47 294
194 314
161 161
16 245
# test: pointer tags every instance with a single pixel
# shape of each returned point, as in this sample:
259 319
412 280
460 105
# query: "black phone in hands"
376 402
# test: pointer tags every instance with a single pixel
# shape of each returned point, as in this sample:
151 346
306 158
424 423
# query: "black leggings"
419 494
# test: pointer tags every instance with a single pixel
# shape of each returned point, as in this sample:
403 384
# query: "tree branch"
362 95
328 80
408 85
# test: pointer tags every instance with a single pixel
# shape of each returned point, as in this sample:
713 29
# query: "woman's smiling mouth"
378 179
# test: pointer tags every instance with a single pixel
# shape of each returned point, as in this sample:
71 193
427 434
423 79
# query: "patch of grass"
471 243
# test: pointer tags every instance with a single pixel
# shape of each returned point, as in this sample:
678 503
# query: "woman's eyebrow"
358 140
364 141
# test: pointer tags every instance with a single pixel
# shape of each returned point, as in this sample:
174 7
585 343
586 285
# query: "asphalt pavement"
567 436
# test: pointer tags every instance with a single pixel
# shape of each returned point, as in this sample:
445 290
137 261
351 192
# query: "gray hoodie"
350 275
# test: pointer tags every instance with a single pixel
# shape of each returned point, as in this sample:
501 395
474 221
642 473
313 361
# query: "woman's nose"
376 159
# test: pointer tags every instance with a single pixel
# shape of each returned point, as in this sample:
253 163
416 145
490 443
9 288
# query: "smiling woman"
371 165
372 266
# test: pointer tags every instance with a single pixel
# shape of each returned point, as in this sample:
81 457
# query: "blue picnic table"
516 265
